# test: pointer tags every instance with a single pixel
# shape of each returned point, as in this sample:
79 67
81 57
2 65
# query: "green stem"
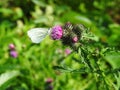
86 60
101 74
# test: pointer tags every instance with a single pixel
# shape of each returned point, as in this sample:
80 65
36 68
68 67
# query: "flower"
49 80
13 53
56 32
48 84
75 39
68 26
67 51
11 46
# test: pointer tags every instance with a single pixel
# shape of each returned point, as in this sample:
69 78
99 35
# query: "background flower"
68 51
11 46
13 54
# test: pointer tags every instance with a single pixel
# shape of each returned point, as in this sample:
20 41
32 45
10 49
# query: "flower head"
49 80
67 51
11 46
13 53
56 32
75 39
68 26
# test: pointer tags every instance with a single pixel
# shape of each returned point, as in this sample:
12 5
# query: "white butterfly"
38 34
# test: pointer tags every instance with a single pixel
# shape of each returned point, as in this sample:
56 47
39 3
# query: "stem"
101 73
86 60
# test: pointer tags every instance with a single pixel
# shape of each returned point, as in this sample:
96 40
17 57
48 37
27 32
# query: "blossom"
67 51
11 46
49 80
56 32
75 39
48 84
13 53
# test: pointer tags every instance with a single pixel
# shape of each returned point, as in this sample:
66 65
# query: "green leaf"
113 58
18 44
76 18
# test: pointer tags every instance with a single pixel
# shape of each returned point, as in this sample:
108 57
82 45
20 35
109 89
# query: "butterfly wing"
37 34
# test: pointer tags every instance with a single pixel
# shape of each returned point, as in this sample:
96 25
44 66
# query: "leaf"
6 11
81 70
5 67
18 44
113 58
76 18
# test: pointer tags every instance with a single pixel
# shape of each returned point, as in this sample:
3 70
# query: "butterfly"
38 34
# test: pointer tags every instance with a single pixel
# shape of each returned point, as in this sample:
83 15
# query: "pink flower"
56 33
13 53
49 80
67 51
11 46
75 39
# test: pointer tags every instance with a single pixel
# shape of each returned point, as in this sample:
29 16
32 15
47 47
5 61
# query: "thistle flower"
67 51
75 39
67 29
13 54
49 80
78 29
68 26
11 46
56 33
70 35
48 84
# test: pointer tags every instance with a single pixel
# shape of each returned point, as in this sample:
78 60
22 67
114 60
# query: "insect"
38 34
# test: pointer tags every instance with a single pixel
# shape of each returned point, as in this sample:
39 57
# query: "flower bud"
49 80
11 46
75 39
77 29
67 51
68 25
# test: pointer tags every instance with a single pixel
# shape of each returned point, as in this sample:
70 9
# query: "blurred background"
28 66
